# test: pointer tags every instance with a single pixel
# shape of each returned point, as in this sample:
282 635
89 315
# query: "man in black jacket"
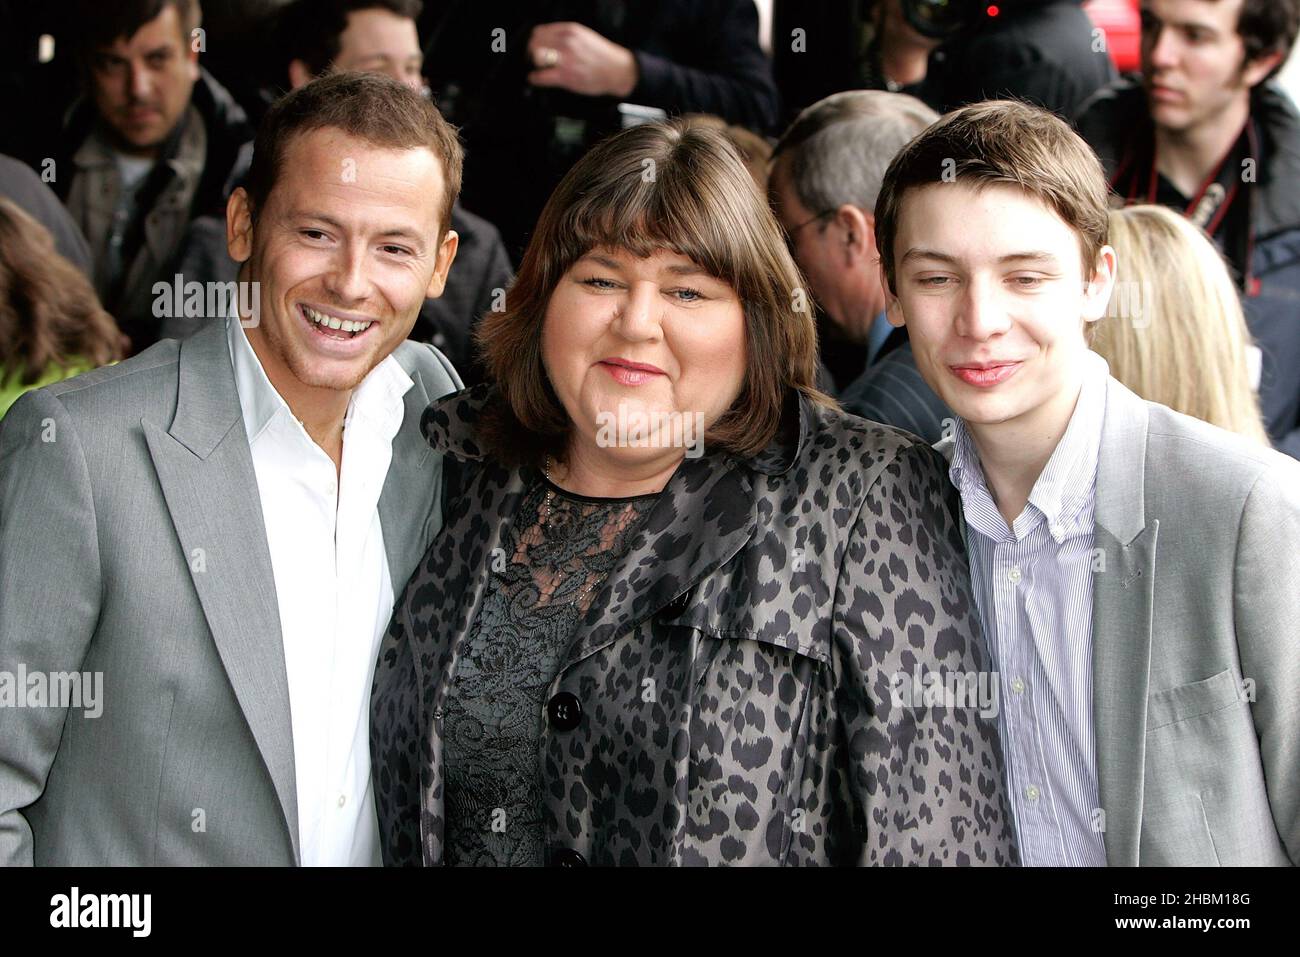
1046 52
156 143
534 85
1203 132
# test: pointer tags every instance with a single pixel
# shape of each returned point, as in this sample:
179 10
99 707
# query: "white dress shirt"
1033 587
334 591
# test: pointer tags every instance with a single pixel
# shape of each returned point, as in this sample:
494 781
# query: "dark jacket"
229 151
771 600
476 285
1118 114
1042 51
692 56
892 391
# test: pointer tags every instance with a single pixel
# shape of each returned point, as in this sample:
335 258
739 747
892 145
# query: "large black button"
567 857
564 711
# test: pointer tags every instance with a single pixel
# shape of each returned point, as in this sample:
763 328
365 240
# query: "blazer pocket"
1192 700
1177 833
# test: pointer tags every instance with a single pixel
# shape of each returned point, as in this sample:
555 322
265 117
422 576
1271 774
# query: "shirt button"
1017 685
1013 576
1058 531
1031 792
343 799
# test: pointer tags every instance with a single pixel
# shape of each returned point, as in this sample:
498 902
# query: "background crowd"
614 645
131 123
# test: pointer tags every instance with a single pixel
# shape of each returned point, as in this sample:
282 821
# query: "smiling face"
141 84
656 336
1193 61
990 285
346 251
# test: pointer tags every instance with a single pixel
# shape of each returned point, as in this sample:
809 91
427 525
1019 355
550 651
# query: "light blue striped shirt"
1033 588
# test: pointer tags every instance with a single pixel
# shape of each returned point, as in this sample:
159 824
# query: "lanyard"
1213 201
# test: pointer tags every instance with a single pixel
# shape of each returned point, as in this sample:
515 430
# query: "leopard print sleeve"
394 742
919 774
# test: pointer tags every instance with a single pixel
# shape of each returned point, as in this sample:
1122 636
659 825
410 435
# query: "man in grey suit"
199 547
1136 570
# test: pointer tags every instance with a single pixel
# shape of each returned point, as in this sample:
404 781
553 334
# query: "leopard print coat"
727 698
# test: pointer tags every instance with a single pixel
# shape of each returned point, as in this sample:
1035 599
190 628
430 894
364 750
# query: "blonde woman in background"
1175 333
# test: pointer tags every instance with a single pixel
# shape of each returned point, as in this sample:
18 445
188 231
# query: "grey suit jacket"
1196 641
132 546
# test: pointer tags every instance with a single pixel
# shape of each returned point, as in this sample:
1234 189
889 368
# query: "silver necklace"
546 521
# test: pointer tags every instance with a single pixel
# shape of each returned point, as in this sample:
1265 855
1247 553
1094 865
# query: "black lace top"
542 586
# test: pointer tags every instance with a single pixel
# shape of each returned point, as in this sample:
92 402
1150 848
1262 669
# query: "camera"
941 19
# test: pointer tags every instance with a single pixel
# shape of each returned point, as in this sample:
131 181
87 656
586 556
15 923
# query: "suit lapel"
405 514
1123 596
205 468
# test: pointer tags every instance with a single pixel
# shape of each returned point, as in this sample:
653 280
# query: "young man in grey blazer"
1137 571
209 536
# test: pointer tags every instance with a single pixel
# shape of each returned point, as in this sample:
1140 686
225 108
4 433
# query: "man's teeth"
331 322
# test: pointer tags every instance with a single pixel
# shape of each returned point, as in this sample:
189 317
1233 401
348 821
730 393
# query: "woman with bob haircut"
1186 345
682 610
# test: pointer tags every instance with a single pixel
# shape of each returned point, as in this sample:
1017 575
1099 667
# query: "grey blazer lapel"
205 468
1122 601
408 513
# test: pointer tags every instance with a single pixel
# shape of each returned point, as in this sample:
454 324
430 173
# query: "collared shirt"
334 591
876 336
1033 587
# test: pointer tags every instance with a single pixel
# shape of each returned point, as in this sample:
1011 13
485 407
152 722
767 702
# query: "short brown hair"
659 186
49 313
312 30
368 106
1002 141
1268 26
754 151
98 24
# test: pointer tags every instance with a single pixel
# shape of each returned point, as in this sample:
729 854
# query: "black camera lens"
940 19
